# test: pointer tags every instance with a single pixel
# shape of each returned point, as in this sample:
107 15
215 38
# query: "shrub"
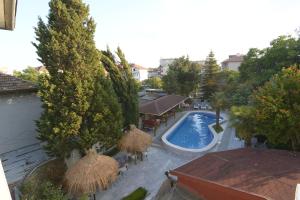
45 191
139 194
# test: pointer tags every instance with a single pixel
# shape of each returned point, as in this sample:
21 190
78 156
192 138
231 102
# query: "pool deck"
150 172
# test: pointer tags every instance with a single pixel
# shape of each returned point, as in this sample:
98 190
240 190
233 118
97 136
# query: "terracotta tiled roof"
138 66
272 174
10 84
161 105
234 58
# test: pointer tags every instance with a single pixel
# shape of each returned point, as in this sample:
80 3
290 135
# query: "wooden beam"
8 10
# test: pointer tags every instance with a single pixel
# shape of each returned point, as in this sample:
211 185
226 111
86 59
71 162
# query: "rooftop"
161 105
234 58
271 174
138 66
10 84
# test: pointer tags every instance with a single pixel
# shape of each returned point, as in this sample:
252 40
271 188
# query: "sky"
147 30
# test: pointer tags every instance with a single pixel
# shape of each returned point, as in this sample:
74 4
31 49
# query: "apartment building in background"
233 62
139 73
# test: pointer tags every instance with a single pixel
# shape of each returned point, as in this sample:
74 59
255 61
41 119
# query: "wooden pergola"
161 109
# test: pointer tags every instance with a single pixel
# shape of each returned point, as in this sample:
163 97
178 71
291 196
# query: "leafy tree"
260 65
154 82
209 76
227 80
182 77
240 96
243 119
77 112
124 84
277 105
138 84
218 102
29 74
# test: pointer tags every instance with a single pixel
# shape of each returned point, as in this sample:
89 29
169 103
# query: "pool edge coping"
201 150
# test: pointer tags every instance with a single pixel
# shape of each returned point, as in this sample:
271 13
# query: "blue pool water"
193 132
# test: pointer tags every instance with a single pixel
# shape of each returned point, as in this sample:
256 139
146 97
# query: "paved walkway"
148 174
18 163
229 140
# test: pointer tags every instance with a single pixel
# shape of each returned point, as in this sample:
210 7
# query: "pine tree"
124 85
104 116
70 94
209 82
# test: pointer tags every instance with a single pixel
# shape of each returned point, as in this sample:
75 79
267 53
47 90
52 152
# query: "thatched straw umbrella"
135 141
91 172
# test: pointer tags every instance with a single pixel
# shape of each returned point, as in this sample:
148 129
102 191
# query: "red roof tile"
273 174
138 66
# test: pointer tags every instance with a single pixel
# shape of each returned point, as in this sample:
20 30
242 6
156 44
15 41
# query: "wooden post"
166 118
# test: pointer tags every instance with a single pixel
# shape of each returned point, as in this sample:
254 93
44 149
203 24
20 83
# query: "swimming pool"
192 132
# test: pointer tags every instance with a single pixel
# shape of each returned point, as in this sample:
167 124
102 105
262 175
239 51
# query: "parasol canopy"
135 140
91 172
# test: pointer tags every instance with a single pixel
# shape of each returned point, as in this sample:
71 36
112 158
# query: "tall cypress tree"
209 76
73 99
123 84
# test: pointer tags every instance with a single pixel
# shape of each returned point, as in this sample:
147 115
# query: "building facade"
164 65
139 73
233 62
155 72
20 107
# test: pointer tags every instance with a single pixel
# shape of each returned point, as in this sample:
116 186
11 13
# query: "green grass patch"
138 194
218 129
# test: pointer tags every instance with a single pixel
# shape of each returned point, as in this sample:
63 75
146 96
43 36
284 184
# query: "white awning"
8 10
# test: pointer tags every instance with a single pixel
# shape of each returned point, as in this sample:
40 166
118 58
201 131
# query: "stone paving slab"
148 174
18 163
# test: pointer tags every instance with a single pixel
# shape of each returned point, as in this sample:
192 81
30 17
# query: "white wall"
4 191
165 65
232 66
139 74
143 74
135 74
17 120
